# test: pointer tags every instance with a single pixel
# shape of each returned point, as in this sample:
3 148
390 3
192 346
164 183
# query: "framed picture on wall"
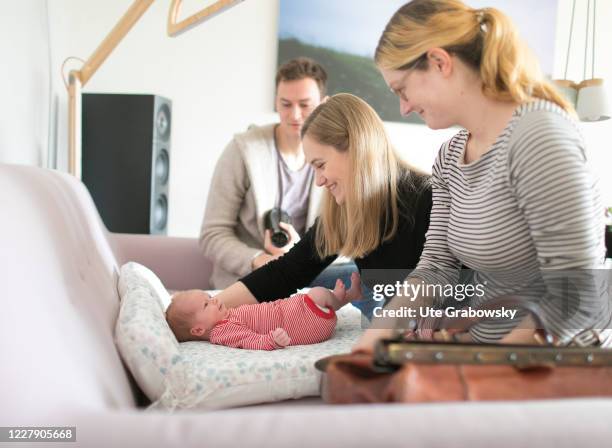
342 35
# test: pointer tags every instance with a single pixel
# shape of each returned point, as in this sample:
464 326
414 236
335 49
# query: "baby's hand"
280 337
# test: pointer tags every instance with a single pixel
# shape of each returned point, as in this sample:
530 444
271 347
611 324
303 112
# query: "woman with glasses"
513 198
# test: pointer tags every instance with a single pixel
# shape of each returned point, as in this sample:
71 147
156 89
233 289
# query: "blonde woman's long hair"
485 39
370 212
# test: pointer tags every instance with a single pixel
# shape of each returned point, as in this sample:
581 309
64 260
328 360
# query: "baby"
298 320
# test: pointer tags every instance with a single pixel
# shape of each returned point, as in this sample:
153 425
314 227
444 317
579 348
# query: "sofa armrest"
178 262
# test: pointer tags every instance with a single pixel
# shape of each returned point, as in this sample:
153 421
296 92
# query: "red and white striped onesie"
250 326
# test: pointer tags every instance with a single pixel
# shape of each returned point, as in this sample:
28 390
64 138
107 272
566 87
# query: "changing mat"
222 376
202 375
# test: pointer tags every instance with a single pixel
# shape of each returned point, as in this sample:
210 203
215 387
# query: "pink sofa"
60 366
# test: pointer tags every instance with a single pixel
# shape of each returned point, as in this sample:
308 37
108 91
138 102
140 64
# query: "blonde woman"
375 209
511 190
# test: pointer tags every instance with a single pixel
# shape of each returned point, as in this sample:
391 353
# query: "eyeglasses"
407 69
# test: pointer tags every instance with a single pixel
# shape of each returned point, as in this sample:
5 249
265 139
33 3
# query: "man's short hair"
301 68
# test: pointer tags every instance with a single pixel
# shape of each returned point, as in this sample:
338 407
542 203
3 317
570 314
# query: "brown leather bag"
355 379
417 371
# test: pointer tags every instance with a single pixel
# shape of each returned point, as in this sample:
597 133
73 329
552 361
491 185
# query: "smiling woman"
375 208
346 143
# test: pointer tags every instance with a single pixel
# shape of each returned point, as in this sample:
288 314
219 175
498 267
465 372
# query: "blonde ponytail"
485 39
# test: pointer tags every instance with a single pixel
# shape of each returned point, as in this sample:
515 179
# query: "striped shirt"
525 216
251 326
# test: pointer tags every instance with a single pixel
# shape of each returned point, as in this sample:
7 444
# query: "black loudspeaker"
126 159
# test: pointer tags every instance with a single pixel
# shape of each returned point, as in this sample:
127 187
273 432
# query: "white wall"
24 83
219 76
597 135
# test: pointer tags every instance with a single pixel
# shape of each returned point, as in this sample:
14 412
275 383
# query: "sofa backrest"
60 301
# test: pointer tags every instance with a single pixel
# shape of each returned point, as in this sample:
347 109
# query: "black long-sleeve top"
397 257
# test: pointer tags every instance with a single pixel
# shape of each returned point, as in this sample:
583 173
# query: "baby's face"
206 311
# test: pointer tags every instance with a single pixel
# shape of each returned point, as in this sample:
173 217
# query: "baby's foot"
339 291
342 296
354 292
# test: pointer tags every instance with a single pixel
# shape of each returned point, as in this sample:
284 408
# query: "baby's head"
192 314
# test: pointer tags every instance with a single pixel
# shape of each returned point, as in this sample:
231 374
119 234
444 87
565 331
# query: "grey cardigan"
244 186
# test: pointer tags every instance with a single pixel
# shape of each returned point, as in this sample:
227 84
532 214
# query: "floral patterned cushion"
207 376
143 337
